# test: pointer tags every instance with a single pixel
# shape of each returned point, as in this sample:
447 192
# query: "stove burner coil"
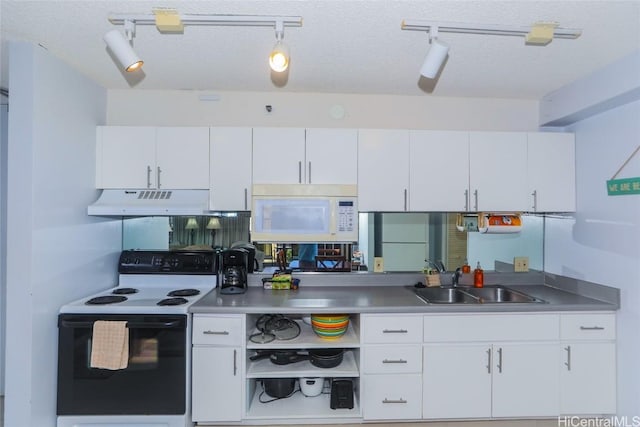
183 293
172 301
106 299
124 291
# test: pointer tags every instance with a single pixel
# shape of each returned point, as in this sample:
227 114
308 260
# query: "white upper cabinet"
551 172
230 173
498 171
140 157
331 156
439 171
278 155
383 170
304 156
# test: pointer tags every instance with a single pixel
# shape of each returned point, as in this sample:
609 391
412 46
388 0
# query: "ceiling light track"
489 29
213 20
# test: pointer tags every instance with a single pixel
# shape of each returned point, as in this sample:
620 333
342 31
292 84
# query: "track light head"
279 57
435 57
122 49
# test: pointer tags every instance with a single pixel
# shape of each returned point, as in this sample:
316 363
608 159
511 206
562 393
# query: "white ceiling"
344 46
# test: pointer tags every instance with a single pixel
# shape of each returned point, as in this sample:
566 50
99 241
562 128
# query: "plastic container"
478 277
466 268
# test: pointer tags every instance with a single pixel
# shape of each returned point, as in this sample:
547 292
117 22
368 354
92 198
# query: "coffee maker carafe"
232 274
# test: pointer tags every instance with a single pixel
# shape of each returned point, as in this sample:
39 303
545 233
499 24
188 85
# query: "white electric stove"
153 296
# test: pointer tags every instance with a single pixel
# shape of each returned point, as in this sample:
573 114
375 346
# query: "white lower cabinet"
217 368
392 397
588 364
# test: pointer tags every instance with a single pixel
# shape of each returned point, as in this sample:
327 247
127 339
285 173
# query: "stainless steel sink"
500 294
492 294
445 296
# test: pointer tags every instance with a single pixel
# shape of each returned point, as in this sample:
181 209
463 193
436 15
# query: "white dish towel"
110 345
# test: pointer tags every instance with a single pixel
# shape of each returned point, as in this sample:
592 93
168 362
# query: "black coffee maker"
232 273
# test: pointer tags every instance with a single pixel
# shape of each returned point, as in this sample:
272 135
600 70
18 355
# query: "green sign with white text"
623 187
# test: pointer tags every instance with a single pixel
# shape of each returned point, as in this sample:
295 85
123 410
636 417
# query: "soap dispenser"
466 268
478 277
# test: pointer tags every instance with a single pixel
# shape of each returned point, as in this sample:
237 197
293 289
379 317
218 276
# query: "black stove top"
173 301
106 299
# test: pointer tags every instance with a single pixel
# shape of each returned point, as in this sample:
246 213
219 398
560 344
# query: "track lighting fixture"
540 34
435 57
279 56
122 48
169 20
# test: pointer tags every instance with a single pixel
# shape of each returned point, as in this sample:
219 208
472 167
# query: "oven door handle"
130 325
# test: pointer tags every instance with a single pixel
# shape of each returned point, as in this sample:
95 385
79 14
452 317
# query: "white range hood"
150 202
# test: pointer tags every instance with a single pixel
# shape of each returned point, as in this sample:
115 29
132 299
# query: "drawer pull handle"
394 361
568 362
401 400
591 328
216 332
394 331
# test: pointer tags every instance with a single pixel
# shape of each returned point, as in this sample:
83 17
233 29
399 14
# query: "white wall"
601 243
56 253
183 108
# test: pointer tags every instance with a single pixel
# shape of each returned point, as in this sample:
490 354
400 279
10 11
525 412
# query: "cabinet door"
588 378
182 158
230 171
498 171
439 171
383 170
551 172
331 156
216 384
125 157
450 371
526 380
278 156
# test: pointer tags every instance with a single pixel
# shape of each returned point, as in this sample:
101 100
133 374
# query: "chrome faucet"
456 277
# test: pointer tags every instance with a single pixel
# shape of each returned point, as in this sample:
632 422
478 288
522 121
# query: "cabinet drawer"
388 359
491 327
392 329
588 326
391 397
219 330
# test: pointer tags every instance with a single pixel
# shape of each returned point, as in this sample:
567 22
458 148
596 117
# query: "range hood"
150 202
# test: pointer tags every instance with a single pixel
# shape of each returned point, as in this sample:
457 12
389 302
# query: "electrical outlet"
378 264
520 264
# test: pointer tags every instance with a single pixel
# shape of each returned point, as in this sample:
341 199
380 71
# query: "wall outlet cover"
378 264
520 264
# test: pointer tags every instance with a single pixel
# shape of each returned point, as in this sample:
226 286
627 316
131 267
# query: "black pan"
326 357
321 358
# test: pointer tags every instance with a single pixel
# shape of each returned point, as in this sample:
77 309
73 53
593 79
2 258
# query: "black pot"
280 357
279 387
326 357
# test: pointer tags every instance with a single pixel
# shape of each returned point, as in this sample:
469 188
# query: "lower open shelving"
299 406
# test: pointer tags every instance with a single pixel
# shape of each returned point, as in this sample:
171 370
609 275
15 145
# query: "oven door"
154 383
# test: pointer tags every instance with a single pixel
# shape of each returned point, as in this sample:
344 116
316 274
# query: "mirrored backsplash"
403 240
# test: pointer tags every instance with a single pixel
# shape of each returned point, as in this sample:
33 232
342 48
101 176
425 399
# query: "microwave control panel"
347 216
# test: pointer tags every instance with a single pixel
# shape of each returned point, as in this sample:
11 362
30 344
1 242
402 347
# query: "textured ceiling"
343 46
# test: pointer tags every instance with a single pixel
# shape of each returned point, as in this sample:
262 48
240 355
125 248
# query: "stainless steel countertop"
382 299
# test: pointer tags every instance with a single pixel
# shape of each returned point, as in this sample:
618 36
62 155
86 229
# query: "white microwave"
304 213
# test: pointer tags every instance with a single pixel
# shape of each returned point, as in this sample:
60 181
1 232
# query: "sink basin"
445 296
500 294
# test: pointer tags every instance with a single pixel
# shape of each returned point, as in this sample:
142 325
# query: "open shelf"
298 406
266 369
309 339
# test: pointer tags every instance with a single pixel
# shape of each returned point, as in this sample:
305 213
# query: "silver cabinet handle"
535 200
394 331
466 200
300 172
309 172
591 328
488 360
475 195
500 360
405 199
394 361
401 400
245 199
568 362
209 332
148 176
235 363
158 173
